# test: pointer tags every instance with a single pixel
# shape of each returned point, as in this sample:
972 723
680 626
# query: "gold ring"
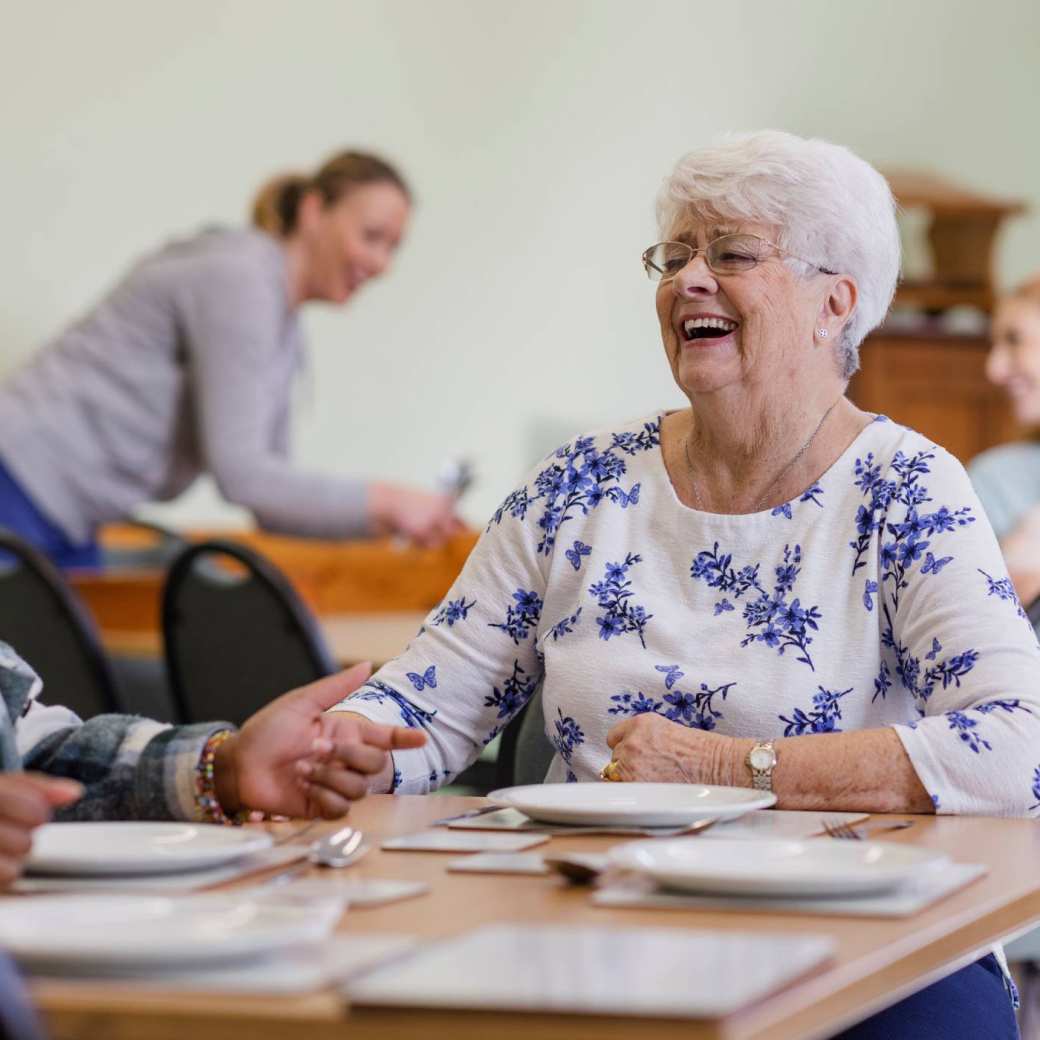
610 771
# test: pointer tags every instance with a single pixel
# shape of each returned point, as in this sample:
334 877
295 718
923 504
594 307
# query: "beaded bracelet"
207 805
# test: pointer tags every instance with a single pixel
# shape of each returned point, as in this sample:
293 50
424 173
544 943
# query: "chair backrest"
525 754
236 634
45 622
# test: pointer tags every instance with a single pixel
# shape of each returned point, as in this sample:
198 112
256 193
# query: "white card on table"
463 841
358 891
648 972
500 863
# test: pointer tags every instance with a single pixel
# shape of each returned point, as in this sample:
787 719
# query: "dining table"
875 961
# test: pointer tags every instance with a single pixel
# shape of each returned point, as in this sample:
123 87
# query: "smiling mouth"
707 328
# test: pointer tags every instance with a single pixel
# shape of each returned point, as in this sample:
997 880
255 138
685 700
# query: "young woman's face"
352 240
1014 358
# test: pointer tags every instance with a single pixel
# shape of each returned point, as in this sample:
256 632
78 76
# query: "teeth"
708 323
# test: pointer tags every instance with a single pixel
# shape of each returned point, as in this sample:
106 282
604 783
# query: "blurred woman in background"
186 367
1007 478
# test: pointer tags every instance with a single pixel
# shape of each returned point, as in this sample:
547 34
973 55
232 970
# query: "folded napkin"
927 888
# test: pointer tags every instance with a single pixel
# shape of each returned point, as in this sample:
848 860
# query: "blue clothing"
20 515
1007 481
968 1005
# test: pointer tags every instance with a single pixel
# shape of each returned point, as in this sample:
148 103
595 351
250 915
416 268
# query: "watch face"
762 758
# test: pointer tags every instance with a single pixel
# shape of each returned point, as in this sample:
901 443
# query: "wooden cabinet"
936 384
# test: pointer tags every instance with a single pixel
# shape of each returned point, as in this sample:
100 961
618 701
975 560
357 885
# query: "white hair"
826 204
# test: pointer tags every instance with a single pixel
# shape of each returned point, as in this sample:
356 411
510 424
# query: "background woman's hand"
295 758
423 517
27 801
1022 552
653 749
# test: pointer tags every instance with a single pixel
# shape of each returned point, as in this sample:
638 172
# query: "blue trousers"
970 1004
20 516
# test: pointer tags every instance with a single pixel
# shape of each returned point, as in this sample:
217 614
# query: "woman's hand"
26 802
295 758
1022 553
652 749
422 517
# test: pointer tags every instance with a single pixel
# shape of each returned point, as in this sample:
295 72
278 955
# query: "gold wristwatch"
761 760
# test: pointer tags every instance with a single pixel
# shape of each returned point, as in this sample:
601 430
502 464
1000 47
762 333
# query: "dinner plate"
105 932
641 805
814 867
138 848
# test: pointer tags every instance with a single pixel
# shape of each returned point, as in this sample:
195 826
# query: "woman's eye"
674 264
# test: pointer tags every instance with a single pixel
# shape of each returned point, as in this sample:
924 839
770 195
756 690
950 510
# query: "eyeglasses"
729 254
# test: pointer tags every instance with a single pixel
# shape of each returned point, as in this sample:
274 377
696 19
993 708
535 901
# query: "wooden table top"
376 637
877 961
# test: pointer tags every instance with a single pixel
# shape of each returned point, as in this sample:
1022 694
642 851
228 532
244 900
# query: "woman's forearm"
864 771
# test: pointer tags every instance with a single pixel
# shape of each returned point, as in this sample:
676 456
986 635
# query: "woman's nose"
695 279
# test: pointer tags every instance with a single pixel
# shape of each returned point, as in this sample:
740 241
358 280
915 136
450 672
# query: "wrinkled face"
754 326
351 241
1014 358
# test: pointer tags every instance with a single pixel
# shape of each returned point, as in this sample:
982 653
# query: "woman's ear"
309 210
837 306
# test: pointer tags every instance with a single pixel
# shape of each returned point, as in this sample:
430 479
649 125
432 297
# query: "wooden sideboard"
935 383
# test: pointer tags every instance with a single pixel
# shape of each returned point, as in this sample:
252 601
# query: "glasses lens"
666 259
735 253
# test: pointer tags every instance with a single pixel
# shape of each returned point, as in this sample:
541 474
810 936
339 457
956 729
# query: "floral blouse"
878 597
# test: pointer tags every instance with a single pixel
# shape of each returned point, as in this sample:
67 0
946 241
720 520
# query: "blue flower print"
576 552
770 618
428 678
411 714
823 718
521 615
567 737
909 539
883 683
1003 589
696 710
565 627
613 594
452 611
809 495
722 606
1036 788
516 691
869 590
395 783
579 478
966 725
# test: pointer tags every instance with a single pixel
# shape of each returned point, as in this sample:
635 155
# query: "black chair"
236 634
525 754
45 622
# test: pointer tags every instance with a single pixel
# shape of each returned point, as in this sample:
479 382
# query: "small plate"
814 867
135 932
97 849
641 805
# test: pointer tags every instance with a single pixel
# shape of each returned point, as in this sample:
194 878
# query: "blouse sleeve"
474 663
959 641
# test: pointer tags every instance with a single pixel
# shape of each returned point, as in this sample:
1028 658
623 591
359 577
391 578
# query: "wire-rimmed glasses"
728 254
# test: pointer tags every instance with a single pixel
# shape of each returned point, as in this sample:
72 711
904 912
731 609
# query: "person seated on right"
1007 478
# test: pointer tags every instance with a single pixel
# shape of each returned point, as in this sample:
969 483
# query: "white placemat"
640 893
646 972
762 823
186 881
298 971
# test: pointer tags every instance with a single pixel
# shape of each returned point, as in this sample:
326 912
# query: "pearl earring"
822 333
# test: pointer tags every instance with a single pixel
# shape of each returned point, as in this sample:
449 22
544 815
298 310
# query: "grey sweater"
185 366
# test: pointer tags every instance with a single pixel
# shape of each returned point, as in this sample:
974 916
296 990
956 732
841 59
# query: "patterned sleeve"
958 640
132 768
474 663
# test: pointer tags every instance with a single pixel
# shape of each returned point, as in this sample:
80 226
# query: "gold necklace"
757 505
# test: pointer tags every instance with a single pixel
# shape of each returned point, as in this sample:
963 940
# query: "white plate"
814 867
642 805
138 848
103 932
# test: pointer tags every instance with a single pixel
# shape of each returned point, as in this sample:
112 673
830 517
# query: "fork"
845 832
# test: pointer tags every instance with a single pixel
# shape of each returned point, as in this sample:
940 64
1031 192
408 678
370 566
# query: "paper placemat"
185 881
762 823
645 972
640 893
295 971
461 841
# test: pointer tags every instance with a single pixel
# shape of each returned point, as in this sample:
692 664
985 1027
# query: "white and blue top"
876 598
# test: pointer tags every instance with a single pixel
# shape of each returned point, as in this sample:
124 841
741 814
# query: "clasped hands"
292 758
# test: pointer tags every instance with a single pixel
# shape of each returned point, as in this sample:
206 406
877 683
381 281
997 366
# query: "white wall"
536 134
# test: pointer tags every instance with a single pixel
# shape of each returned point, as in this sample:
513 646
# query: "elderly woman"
1007 478
768 588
